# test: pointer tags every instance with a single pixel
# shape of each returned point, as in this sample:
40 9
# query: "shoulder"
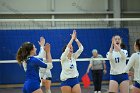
100 56
135 55
107 53
30 58
33 58
124 51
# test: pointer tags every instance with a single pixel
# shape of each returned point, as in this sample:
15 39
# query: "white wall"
36 6
22 6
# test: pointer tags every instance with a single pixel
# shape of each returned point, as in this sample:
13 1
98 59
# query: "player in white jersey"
117 58
134 62
69 74
45 74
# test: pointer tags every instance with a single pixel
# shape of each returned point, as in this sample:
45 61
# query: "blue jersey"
33 65
32 82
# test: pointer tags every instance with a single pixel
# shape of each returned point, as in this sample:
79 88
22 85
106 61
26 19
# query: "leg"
38 91
47 85
124 86
66 89
99 77
135 90
113 86
76 89
94 76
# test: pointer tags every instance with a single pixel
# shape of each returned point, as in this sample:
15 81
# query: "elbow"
109 58
81 48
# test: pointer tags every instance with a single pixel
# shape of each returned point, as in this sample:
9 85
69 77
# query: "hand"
42 41
131 73
73 36
113 40
47 48
117 47
87 72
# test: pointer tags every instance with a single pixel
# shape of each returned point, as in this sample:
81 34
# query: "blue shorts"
137 85
119 78
30 86
70 82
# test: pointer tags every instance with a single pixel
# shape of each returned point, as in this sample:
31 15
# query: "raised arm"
77 41
123 55
73 37
45 52
81 48
109 54
131 63
65 53
47 48
42 53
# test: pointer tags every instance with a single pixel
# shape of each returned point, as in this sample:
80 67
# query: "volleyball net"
132 24
69 23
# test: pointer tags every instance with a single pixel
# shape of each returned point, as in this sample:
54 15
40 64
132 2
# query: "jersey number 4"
117 60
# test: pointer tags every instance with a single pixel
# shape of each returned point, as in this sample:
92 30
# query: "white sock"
95 91
99 91
48 91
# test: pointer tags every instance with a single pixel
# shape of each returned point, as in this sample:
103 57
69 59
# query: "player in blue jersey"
26 54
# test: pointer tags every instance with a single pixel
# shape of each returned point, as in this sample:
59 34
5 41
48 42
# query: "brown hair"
23 52
123 46
63 49
138 44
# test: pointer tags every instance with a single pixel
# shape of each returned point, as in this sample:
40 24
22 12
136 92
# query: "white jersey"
134 62
44 72
69 67
117 61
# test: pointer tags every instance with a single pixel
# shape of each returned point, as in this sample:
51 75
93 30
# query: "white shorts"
45 73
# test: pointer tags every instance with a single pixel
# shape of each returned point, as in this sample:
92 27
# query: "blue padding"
11 73
10 41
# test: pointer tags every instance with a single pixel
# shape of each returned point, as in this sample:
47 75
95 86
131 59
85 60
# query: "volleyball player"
44 73
134 62
26 54
69 74
117 58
